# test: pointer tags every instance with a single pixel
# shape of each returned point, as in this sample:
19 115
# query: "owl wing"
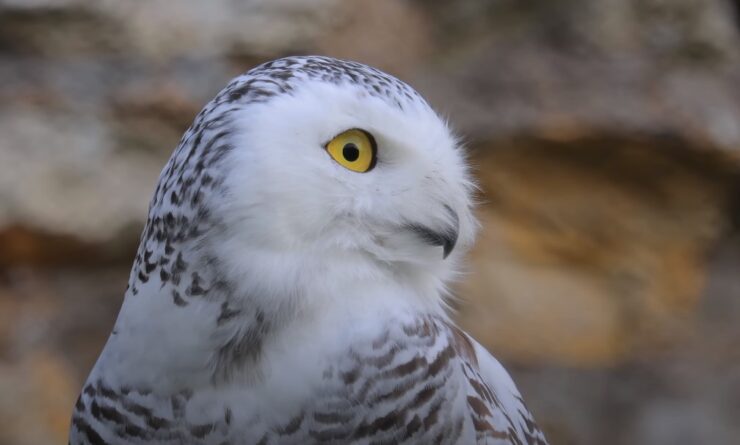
498 411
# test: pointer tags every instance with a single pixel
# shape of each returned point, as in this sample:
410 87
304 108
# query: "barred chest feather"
413 381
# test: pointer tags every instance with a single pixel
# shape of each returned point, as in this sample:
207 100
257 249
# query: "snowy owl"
289 287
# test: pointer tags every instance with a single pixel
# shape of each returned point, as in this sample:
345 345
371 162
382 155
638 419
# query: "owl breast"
413 382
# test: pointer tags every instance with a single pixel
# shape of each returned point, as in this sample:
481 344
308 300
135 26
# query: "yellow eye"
354 149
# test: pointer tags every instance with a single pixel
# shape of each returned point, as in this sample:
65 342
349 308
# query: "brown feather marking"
463 346
292 426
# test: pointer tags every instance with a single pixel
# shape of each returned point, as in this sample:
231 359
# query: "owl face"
331 170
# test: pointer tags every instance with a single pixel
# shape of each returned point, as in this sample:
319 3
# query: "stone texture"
52 327
597 246
113 103
604 134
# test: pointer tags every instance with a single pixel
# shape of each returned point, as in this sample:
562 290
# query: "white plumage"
279 296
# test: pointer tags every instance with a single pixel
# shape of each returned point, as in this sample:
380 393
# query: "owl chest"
396 387
403 385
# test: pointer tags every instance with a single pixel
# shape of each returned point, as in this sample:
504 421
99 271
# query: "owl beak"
449 241
447 237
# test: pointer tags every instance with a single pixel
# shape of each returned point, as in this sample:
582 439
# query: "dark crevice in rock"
25 246
734 204
640 159
58 32
735 5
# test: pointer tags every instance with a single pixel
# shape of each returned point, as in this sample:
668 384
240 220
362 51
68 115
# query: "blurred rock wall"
604 134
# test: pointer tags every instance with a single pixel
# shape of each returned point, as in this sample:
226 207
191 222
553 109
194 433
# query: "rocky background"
604 133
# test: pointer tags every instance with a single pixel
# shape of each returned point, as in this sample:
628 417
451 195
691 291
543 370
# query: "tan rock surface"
594 249
604 134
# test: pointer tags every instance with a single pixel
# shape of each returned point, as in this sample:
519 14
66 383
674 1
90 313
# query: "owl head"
312 172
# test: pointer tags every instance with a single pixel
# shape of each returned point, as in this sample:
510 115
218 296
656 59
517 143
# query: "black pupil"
350 152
